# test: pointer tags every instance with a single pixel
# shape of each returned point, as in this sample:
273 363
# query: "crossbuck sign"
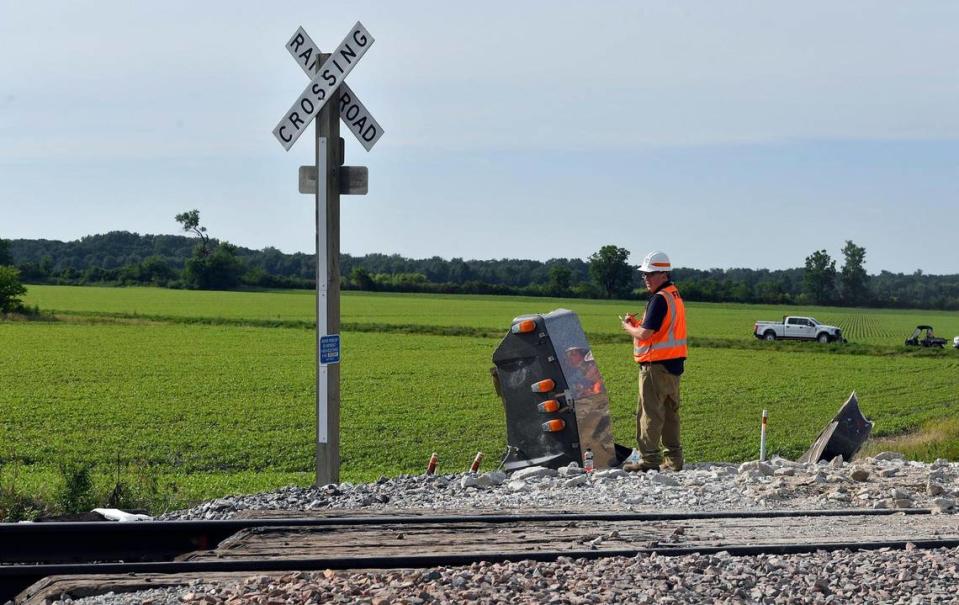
328 178
326 82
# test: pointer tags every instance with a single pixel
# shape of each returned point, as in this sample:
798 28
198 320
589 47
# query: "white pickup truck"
797 328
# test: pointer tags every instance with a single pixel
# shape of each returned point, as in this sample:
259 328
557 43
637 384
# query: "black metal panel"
521 360
844 435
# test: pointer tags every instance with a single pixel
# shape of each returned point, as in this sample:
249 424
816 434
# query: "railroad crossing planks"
50 589
374 543
525 536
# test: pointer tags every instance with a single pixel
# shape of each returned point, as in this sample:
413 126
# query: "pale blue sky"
726 133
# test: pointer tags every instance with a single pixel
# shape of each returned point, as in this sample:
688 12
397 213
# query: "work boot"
672 464
640 467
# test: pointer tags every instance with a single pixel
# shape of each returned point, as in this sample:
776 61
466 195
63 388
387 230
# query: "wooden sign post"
327 179
328 162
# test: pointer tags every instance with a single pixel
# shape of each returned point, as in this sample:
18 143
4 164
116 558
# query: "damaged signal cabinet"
553 393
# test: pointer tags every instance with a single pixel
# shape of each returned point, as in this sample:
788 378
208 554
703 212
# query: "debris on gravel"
878 576
774 484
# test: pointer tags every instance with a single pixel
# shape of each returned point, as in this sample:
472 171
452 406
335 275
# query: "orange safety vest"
669 342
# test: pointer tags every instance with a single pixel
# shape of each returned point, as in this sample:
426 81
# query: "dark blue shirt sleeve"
655 312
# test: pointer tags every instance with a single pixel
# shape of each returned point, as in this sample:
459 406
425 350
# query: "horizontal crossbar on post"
354 180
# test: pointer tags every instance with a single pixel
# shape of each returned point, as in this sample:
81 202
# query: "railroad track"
86 558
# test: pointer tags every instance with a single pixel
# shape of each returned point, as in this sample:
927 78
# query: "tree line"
204 262
11 288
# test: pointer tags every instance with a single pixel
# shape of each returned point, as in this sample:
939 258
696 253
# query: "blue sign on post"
329 349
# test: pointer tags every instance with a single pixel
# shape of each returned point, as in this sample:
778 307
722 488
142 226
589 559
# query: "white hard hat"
656 261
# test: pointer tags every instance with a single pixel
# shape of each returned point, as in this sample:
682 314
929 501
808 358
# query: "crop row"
489 313
864 327
226 401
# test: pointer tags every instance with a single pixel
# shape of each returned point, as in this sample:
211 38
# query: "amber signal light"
523 327
554 426
549 406
544 386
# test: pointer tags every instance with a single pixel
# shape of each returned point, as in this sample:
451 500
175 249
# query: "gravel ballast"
886 481
882 576
917 576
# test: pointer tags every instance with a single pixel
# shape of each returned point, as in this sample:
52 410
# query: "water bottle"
588 460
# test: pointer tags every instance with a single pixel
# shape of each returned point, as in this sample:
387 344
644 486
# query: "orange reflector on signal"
522 327
549 406
553 426
544 386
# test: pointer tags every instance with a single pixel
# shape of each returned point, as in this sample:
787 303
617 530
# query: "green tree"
853 278
209 268
10 289
772 292
819 277
459 271
5 257
361 279
220 270
46 266
609 269
152 270
190 221
560 280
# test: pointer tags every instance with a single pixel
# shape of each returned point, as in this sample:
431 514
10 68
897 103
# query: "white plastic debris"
115 514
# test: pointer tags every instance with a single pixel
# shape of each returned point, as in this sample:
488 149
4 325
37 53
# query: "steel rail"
164 540
15 579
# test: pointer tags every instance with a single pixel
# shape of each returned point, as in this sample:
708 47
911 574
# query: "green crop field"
212 392
489 313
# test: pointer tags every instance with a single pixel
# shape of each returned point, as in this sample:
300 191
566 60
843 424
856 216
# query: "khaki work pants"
657 418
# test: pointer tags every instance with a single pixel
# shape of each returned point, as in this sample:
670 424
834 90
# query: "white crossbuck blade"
326 80
352 111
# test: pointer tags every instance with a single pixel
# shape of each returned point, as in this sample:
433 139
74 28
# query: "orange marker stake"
762 438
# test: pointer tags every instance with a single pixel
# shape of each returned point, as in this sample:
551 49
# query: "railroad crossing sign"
352 111
328 178
325 79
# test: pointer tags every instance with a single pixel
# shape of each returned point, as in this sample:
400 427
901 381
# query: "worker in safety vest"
659 347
